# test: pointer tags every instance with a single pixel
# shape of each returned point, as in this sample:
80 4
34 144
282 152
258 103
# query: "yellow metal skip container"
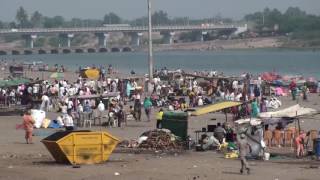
80 147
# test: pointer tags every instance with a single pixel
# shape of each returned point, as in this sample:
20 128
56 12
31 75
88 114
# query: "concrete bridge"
28 51
135 32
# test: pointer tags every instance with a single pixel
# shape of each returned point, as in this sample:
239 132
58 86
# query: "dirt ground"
32 161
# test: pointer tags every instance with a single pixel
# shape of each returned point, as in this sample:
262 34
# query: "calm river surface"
231 62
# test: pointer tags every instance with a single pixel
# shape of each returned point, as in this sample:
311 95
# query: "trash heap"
155 140
160 140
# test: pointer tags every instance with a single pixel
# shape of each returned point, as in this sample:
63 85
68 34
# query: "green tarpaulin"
13 82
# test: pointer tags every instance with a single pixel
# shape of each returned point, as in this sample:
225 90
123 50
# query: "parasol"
92 74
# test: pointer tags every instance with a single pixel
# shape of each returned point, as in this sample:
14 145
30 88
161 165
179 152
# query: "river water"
231 62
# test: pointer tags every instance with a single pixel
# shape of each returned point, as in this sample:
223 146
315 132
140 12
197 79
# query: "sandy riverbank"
23 161
218 45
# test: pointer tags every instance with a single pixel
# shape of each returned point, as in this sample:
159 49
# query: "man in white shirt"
101 109
29 90
61 91
35 89
80 108
45 103
101 106
235 85
200 101
238 97
64 108
68 122
70 105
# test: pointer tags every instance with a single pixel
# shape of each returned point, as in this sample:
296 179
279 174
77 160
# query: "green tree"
22 17
75 22
294 12
142 21
57 21
54 41
112 18
1 25
36 19
160 18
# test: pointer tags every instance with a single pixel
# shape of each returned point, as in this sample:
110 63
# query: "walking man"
243 147
147 107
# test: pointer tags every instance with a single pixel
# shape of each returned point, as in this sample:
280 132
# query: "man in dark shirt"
137 110
220 133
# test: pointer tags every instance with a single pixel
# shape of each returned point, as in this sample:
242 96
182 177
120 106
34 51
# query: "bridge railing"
114 29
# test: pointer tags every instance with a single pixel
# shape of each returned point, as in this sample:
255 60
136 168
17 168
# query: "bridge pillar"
168 37
30 40
201 35
136 38
66 39
102 39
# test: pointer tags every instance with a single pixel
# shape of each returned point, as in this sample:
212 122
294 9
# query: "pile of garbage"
159 139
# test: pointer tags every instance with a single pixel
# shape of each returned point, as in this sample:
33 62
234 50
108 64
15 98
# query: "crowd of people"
116 99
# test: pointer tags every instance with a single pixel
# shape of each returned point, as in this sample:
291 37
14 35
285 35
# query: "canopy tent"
289 112
215 107
13 82
111 94
252 121
57 75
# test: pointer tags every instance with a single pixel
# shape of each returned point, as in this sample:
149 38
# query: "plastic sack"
45 123
142 138
231 155
38 116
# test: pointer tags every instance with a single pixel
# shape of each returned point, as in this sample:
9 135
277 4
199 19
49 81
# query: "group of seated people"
302 141
221 135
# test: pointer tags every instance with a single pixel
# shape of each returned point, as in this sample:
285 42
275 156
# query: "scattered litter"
195 166
76 166
10 167
117 174
313 167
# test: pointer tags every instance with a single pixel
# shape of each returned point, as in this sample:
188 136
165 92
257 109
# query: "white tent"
291 112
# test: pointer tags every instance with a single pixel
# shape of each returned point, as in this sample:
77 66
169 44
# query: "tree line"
37 20
293 22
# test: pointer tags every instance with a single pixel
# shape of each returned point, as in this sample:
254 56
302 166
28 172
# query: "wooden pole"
299 126
225 113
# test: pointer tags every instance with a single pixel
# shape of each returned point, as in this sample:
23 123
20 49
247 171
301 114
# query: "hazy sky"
130 9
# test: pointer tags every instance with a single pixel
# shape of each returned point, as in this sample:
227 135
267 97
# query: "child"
159 116
299 144
28 123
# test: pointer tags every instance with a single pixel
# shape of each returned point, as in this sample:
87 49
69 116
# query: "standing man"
293 88
220 133
243 147
304 90
45 102
137 110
